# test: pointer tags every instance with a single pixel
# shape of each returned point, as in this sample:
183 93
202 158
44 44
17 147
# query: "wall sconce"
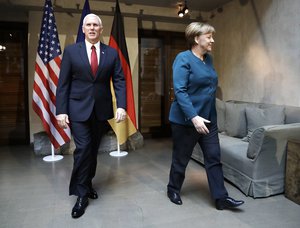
183 10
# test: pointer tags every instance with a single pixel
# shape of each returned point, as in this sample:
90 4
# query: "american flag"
47 67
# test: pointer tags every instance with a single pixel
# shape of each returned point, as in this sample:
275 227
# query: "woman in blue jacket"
193 115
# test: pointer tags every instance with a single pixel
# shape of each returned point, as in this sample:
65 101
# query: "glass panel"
151 84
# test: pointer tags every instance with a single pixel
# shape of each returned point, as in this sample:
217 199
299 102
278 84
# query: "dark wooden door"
14 124
158 50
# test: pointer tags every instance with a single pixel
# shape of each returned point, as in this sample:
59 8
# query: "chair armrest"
271 134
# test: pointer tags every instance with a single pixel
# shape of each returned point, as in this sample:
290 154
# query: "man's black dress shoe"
79 207
174 197
93 194
227 203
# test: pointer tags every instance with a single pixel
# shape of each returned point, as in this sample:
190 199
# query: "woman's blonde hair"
196 29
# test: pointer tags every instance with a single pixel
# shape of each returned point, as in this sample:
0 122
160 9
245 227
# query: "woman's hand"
199 124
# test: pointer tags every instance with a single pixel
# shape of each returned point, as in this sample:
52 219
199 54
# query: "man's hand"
120 115
62 120
199 124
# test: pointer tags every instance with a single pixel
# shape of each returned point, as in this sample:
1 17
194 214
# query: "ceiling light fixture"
2 48
185 8
180 12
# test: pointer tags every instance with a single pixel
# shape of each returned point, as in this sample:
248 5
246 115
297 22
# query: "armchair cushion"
235 119
292 114
259 117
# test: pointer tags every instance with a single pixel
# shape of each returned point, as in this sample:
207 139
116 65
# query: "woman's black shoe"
227 203
174 197
93 194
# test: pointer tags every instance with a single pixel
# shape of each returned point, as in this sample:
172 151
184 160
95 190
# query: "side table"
292 171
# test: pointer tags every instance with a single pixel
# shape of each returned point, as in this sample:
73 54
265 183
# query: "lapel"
102 58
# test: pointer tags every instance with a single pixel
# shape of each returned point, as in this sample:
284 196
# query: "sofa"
253 140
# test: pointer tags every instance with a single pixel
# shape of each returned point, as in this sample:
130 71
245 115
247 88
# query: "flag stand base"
118 153
51 158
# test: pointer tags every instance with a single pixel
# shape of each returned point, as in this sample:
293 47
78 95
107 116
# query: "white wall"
257 51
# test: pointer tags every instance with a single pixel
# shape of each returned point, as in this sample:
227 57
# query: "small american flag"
47 67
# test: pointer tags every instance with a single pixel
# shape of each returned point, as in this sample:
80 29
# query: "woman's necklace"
199 57
202 60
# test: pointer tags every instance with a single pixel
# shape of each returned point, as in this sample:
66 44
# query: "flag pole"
117 40
118 153
52 157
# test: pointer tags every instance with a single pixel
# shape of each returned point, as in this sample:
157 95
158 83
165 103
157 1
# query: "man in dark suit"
84 99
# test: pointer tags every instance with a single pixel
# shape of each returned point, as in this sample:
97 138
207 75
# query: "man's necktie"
94 60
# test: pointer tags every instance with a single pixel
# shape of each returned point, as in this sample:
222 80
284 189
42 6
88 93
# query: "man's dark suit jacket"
79 92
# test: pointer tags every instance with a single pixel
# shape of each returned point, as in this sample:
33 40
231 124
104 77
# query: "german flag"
117 40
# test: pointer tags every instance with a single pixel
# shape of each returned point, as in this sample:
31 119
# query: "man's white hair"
91 15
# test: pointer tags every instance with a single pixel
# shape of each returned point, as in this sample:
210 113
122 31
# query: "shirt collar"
89 45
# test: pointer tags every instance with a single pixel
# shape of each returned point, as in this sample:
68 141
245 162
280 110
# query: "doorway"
14 121
158 50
